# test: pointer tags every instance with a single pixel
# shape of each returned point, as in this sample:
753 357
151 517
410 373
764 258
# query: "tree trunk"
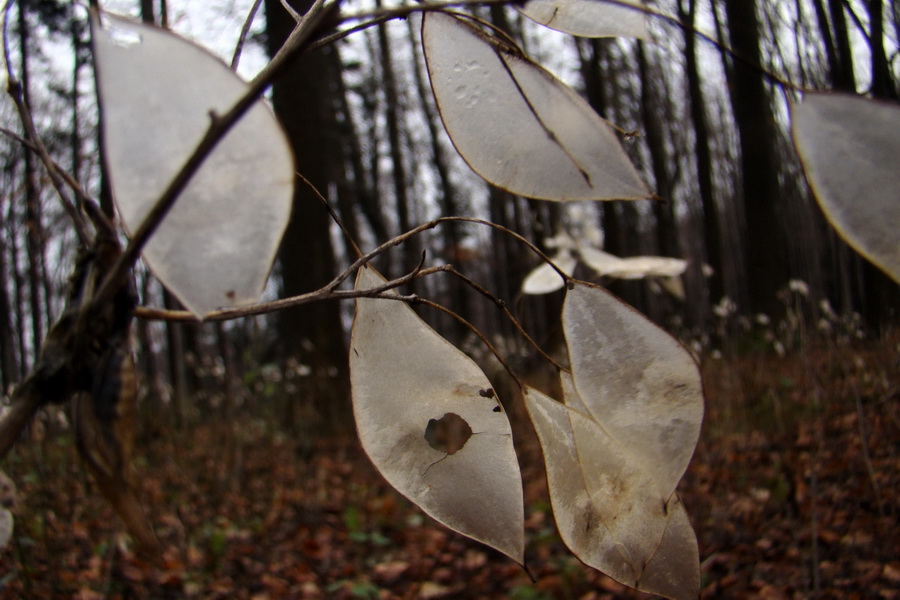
399 178
767 269
845 78
9 367
304 100
703 158
651 114
177 363
831 53
450 203
883 85
18 293
33 221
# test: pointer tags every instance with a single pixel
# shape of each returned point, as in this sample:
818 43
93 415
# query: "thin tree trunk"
363 190
883 85
703 161
177 363
147 15
831 53
845 77
450 204
304 99
590 57
9 367
33 220
399 177
18 293
651 111
767 270
152 367
75 140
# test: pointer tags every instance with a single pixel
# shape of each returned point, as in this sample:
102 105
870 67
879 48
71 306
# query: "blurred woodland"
249 468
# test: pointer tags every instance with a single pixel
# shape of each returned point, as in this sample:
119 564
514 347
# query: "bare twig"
512 319
329 291
290 10
478 333
331 212
322 294
245 31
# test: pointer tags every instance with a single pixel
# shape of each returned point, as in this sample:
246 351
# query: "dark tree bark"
304 100
766 257
590 57
703 160
450 203
883 85
147 15
33 210
831 53
399 177
652 113
360 183
845 78
9 367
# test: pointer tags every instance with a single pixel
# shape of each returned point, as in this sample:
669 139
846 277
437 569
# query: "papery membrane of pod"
406 378
608 511
640 383
589 18
544 278
157 91
518 126
674 286
850 150
638 267
602 262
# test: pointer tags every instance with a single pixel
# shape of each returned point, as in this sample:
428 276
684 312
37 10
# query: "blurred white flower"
725 308
798 287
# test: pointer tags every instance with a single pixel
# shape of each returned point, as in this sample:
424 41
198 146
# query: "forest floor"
793 492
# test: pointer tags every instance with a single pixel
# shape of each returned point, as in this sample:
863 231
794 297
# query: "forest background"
796 333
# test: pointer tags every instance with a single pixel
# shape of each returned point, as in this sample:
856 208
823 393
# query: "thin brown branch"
329 291
512 319
245 31
322 294
487 343
331 212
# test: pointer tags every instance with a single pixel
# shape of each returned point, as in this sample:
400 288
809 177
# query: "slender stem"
325 293
515 322
331 212
473 329
245 31
329 290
